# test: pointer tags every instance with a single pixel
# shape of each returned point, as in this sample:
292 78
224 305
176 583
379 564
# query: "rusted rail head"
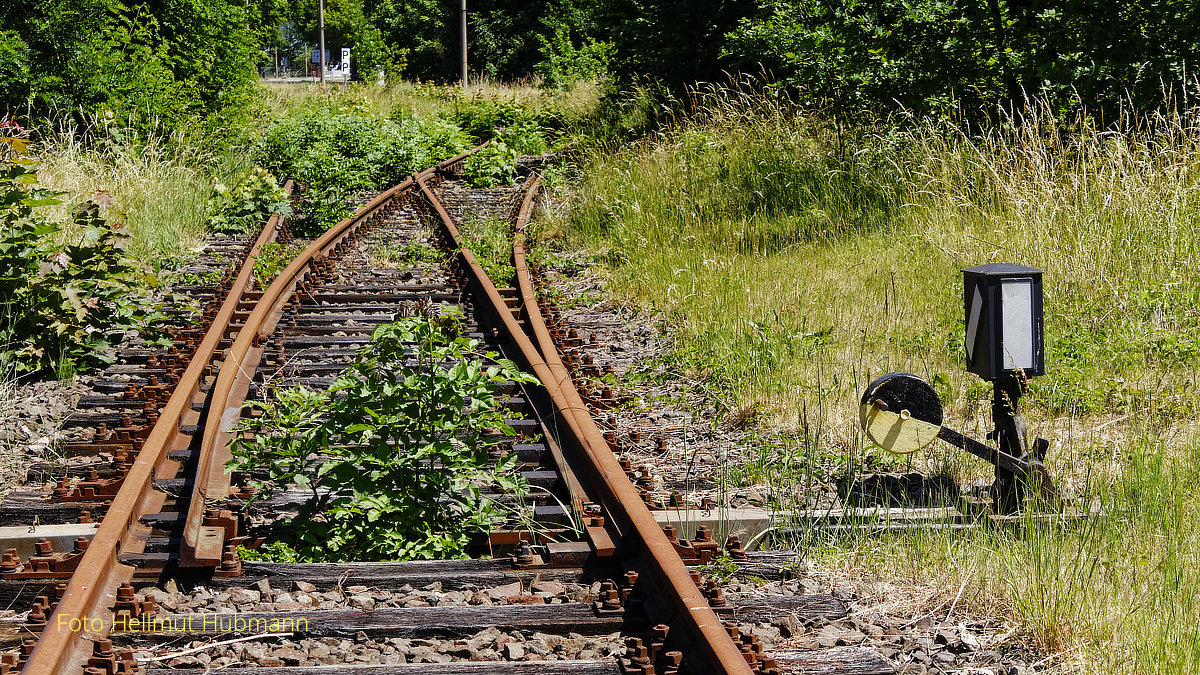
83 614
620 498
205 545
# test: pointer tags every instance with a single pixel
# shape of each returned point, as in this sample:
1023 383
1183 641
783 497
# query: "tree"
346 25
149 62
971 56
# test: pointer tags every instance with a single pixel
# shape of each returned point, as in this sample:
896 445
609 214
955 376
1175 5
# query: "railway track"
590 582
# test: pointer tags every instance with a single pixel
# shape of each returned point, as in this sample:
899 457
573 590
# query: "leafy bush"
340 155
565 64
966 57
15 78
272 258
490 240
153 66
245 206
526 137
396 454
479 116
484 118
64 305
495 164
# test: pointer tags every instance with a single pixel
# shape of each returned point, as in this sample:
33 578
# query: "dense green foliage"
63 305
338 154
810 252
562 40
167 62
149 62
397 454
347 25
252 199
273 258
944 56
496 163
956 55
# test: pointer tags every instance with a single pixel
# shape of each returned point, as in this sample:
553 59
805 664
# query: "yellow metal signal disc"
900 413
900 432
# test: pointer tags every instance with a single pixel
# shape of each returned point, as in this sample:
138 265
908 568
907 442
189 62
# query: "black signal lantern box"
1003 305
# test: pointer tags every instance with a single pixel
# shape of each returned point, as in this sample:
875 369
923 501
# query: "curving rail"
620 497
67 641
66 645
203 545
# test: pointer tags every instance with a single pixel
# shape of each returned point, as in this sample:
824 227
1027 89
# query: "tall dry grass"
800 258
160 184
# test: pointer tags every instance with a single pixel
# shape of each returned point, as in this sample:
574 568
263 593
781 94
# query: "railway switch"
902 413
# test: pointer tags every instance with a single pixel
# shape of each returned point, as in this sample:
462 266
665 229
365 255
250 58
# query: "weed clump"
252 199
64 304
340 154
397 454
272 258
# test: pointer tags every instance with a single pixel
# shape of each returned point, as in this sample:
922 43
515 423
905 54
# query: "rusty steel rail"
65 646
620 498
204 544
84 615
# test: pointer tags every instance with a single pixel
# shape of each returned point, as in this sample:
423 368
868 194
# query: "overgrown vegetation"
762 194
244 207
408 255
153 67
64 303
159 183
495 164
397 455
272 258
340 153
801 258
972 58
490 240
1115 593
801 239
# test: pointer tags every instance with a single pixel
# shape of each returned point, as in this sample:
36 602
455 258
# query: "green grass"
272 259
799 260
407 255
574 106
490 240
160 186
1117 593
783 257
10 454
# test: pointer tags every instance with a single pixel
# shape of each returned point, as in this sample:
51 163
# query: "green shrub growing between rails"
272 258
495 164
246 205
63 305
396 453
482 117
490 240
